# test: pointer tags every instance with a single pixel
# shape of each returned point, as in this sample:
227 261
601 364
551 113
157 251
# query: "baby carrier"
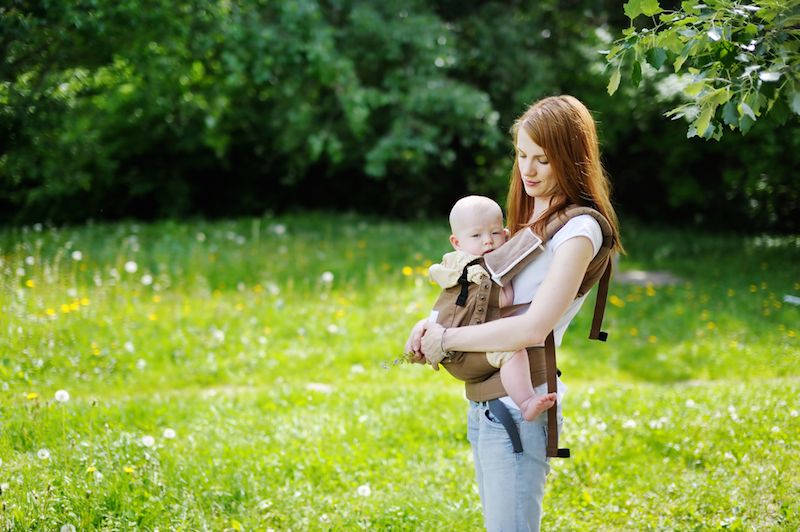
474 303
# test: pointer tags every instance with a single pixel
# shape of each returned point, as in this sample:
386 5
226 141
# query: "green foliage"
739 61
234 379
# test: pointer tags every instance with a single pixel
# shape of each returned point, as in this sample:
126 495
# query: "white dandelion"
327 277
129 347
131 267
364 490
148 441
147 279
629 424
30 261
62 396
43 454
68 528
77 256
169 434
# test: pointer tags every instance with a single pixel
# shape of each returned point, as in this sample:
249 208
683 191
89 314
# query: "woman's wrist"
447 351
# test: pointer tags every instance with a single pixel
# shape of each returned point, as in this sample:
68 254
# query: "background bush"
160 109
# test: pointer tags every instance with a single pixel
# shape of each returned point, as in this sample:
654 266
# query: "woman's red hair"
566 131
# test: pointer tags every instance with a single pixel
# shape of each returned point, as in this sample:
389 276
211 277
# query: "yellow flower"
91 469
634 331
65 309
85 301
616 301
156 299
258 289
650 290
128 469
711 325
753 289
652 339
29 283
31 396
152 316
791 334
239 307
50 312
75 305
408 271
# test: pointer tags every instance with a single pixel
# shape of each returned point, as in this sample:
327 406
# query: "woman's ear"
454 241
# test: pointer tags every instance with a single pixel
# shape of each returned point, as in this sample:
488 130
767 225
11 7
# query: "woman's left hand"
432 344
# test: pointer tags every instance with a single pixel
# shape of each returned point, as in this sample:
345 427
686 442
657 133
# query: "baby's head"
477 225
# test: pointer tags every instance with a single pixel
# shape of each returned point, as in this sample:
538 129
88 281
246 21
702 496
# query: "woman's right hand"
414 342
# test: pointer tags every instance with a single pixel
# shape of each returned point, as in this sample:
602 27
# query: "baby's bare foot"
536 404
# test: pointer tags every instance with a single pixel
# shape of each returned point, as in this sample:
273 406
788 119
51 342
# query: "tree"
736 61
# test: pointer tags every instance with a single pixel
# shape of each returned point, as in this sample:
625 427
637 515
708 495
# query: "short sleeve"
583 225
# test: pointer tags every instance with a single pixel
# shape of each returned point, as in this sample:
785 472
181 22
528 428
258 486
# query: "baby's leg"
516 377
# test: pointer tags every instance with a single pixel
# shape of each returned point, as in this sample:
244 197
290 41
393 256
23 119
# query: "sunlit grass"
234 375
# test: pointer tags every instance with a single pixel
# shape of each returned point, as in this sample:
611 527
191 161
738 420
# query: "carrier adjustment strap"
464 282
500 411
552 387
600 306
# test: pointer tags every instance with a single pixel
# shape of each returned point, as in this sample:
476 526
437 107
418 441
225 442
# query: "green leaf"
729 114
793 98
636 73
746 111
656 57
694 89
613 83
704 119
633 9
650 7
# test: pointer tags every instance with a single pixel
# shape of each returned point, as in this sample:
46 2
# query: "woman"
557 165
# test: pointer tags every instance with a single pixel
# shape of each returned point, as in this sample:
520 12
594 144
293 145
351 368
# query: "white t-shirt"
527 282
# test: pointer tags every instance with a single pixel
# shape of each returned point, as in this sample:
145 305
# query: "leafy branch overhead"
737 61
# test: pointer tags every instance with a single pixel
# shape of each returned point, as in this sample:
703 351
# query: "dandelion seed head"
77 256
68 528
169 434
690 403
20 272
30 261
4 487
357 369
131 267
629 424
364 490
147 279
279 229
793 413
148 441
326 277
218 335
333 328
129 347
43 454
62 396
141 364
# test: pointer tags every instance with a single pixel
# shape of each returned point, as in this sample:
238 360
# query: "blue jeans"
511 485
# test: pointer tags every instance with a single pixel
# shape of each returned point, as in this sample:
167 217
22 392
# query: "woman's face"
534 167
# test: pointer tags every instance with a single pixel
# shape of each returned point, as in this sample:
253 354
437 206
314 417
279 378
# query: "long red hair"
566 131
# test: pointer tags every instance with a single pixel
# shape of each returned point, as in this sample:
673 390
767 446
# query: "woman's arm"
515 332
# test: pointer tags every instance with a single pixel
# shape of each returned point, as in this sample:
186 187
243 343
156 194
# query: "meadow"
240 375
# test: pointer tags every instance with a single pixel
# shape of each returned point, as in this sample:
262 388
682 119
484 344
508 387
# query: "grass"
238 375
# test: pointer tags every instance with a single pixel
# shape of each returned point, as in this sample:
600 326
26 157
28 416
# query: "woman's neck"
540 205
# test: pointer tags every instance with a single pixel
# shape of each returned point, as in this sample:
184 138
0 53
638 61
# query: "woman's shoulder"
582 225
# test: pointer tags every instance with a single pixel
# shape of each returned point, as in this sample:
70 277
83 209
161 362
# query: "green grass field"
238 375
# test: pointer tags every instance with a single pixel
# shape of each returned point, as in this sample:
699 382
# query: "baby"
477 226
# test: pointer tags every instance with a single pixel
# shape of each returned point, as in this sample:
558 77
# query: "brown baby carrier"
474 303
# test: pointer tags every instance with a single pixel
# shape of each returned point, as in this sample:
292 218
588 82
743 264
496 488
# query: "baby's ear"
454 241
507 231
